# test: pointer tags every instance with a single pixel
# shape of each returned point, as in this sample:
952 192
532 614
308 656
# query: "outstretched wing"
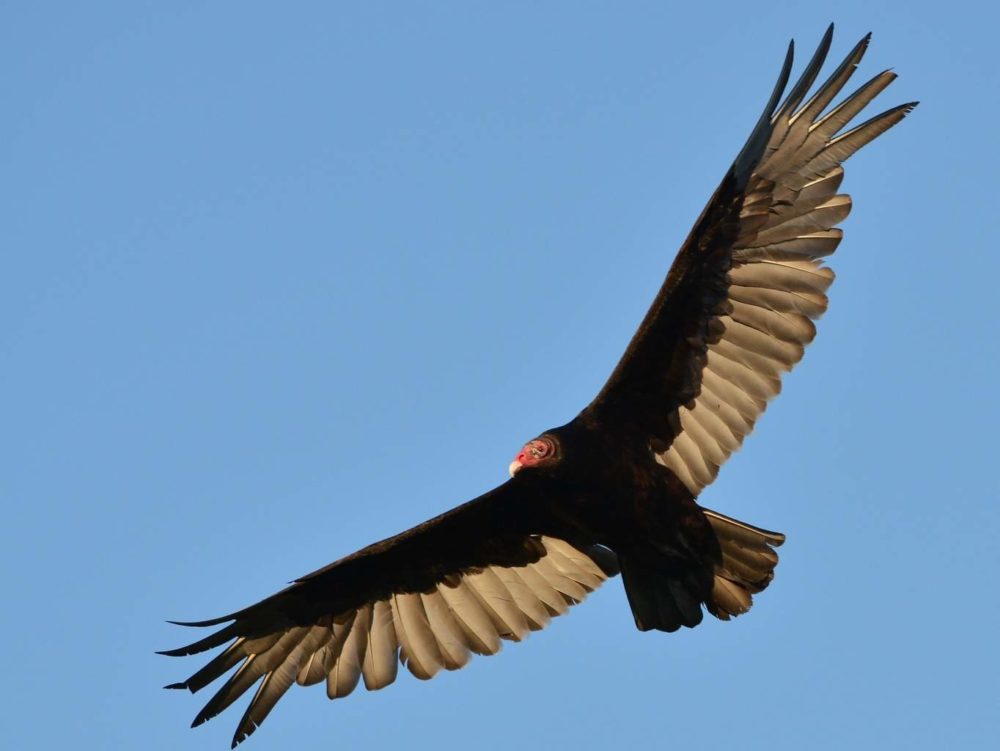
429 598
737 307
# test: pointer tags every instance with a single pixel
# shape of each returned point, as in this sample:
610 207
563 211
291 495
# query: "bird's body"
615 489
608 489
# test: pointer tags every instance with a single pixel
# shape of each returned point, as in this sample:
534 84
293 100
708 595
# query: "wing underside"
466 613
737 309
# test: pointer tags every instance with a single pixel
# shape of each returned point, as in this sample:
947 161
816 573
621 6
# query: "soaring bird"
615 489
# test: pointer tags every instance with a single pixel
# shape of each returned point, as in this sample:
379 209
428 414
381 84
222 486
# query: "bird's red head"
539 451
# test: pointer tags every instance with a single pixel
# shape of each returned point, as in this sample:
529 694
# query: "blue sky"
281 282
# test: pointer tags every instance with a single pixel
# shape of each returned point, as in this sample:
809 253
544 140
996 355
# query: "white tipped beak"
514 466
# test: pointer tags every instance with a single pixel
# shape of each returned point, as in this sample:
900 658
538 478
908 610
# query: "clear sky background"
280 282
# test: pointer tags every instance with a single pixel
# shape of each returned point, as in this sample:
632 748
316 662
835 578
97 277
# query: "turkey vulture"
615 489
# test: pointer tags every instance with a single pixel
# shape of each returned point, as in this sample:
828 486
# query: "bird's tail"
668 593
748 561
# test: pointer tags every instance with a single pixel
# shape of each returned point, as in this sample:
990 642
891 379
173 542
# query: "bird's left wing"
429 598
737 307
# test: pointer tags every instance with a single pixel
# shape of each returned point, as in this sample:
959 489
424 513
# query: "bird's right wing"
737 307
429 598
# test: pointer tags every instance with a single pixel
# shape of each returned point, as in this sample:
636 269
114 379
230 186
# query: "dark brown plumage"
615 489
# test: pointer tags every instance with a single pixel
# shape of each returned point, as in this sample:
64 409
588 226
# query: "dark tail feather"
664 595
748 561
667 591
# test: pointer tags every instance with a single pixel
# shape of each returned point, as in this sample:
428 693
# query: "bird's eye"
539 449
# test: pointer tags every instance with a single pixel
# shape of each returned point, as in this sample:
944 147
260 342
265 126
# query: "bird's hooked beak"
517 464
